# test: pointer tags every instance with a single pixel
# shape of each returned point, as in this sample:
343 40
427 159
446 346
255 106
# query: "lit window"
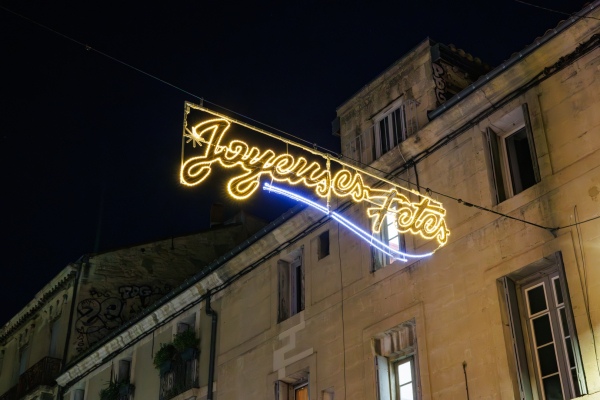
405 382
301 392
390 236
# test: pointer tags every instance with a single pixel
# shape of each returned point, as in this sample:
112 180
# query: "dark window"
290 288
519 160
323 245
513 160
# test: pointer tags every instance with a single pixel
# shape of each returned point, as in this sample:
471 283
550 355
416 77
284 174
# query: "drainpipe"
213 345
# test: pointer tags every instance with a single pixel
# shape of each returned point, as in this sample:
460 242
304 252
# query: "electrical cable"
291 135
342 308
555 11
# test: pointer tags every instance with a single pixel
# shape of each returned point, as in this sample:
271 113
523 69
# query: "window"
552 339
512 154
390 236
301 392
290 287
293 388
396 365
405 381
323 246
24 359
54 338
124 372
397 122
78 394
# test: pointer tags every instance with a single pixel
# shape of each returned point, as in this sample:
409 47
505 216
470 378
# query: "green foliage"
185 340
112 391
166 353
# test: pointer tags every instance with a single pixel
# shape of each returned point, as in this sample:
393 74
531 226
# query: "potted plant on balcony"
116 390
186 344
164 356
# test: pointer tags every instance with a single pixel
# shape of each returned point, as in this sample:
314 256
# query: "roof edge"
515 59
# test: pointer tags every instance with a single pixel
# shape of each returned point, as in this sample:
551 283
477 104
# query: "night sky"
90 149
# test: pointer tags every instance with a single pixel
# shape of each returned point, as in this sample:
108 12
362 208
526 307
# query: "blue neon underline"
369 238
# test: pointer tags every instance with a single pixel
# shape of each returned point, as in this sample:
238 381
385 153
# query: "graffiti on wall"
440 83
102 312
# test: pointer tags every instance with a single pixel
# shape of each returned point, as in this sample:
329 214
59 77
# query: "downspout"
213 346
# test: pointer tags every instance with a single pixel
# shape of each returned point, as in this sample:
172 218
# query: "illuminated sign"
424 218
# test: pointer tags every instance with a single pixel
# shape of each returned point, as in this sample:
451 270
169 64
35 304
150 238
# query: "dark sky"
85 139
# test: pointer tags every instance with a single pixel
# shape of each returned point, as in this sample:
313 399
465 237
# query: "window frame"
521 332
502 175
291 286
397 387
379 259
387 117
320 245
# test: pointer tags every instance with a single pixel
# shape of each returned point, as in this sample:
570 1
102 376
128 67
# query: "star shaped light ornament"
193 137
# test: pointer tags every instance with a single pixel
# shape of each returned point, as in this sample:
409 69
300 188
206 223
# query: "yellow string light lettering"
425 218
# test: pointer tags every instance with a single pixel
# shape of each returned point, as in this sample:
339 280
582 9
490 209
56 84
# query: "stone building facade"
100 293
507 309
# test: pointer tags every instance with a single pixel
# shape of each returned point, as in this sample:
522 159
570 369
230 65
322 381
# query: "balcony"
181 376
43 373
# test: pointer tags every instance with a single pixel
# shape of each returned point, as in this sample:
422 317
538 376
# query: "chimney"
216 214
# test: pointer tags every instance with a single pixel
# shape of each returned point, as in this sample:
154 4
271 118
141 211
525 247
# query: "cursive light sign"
425 218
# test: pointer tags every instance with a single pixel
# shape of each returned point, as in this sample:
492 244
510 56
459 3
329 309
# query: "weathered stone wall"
30 332
117 285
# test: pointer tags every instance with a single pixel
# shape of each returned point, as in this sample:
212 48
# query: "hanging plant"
186 340
166 353
113 389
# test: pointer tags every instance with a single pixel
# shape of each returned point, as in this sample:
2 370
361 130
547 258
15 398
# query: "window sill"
195 393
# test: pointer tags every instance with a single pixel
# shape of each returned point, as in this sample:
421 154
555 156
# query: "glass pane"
575 383
519 160
406 392
542 330
302 393
570 353
537 300
558 291
547 360
397 127
563 321
552 388
404 373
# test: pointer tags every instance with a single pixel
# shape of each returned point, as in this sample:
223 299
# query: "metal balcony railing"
44 372
182 376
386 133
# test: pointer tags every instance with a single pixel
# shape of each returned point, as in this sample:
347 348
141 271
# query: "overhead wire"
315 145
555 11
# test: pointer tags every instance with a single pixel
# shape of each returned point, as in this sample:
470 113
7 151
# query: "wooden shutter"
282 391
283 290
496 161
518 344
534 160
571 323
